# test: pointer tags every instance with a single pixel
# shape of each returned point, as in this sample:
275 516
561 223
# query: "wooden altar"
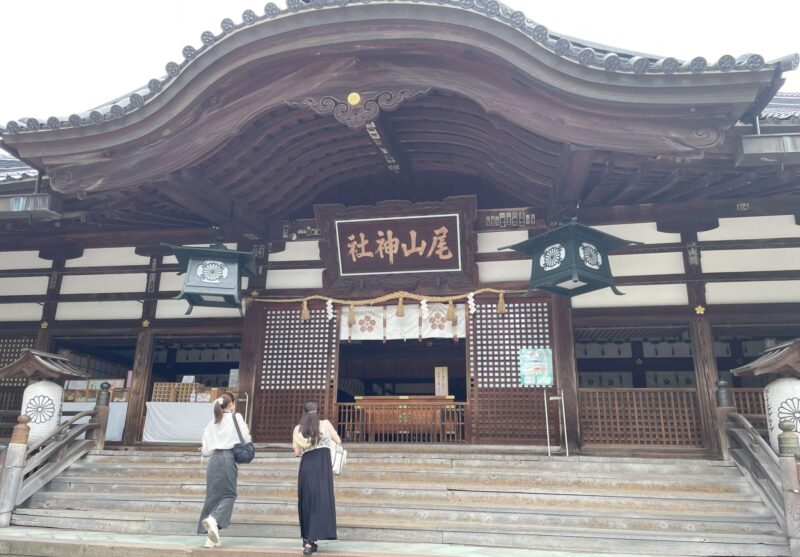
394 419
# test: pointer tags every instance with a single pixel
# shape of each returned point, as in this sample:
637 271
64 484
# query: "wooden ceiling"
287 159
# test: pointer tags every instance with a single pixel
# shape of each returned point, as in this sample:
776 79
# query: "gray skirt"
220 489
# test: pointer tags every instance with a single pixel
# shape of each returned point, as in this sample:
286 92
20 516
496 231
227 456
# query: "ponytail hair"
225 400
309 423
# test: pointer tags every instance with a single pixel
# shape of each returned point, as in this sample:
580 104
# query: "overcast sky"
60 57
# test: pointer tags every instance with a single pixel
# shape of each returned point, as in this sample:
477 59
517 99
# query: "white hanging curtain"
369 323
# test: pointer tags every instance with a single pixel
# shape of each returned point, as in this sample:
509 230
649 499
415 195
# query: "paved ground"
74 542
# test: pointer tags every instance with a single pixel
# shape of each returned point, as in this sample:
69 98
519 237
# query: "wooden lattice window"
299 364
501 409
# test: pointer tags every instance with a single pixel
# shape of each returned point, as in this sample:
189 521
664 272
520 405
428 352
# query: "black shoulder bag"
243 453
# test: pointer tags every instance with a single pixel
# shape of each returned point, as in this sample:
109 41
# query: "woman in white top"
311 440
219 438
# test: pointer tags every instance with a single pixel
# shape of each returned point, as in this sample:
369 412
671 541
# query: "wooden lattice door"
299 364
502 411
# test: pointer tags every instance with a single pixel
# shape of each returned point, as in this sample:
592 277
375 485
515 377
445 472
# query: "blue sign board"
536 367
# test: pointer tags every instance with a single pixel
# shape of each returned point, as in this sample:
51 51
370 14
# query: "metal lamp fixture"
213 275
571 260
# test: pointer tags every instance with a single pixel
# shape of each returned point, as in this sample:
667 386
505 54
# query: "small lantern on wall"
571 260
213 275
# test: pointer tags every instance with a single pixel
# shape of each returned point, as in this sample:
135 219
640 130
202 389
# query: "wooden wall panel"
502 411
299 364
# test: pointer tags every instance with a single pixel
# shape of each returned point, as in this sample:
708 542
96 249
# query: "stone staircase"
469 496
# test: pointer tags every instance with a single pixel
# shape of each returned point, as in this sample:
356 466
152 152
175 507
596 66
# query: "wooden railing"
30 466
756 459
395 422
651 417
750 403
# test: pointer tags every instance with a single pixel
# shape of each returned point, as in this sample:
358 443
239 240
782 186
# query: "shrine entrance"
436 376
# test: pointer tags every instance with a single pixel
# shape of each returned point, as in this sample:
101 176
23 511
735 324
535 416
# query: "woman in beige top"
312 440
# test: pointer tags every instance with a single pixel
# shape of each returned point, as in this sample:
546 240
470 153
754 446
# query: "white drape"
369 323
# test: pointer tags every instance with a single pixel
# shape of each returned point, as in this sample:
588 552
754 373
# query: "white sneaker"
209 543
210 524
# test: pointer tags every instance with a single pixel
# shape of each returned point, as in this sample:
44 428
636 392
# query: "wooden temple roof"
457 97
36 364
781 359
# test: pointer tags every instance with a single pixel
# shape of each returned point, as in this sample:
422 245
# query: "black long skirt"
315 503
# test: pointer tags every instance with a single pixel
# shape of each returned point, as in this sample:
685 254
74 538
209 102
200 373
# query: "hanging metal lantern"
571 260
213 275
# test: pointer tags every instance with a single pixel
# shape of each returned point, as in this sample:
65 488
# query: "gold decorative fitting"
699 310
43 325
353 99
146 323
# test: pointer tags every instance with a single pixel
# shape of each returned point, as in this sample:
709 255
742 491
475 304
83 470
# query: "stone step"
365 513
437 461
464 495
573 483
48 542
508 535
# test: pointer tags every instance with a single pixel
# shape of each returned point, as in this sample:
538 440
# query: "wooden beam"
669 181
100 237
598 179
631 183
727 185
203 198
571 173
698 185
700 210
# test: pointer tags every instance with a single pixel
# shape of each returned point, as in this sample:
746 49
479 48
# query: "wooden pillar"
702 338
252 352
13 468
705 367
142 369
566 369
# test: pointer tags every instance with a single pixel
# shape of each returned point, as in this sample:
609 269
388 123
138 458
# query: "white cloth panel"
299 278
646 232
738 260
93 284
297 251
369 323
23 286
117 411
764 292
176 422
98 310
20 312
108 257
499 271
744 228
489 242
646 264
642 295
176 309
23 260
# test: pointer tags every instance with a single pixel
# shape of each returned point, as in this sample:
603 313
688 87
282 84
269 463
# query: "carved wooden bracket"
367 110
